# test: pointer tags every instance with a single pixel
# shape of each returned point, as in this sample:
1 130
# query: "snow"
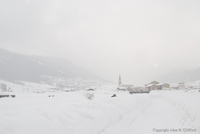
149 85
22 86
169 111
160 84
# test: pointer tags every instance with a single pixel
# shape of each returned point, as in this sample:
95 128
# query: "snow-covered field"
73 113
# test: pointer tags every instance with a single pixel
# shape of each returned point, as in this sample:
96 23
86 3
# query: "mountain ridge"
180 75
31 68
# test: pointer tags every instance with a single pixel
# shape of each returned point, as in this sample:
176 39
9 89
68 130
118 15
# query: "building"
154 85
162 86
139 89
178 86
150 87
181 86
122 87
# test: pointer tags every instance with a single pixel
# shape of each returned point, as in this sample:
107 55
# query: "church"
122 87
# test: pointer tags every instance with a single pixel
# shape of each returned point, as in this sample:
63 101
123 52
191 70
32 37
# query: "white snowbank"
186 105
74 113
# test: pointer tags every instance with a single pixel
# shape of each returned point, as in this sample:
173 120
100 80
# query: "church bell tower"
119 82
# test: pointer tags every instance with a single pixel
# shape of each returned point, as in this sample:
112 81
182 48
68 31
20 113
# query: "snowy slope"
25 87
180 75
74 113
76 84
33 68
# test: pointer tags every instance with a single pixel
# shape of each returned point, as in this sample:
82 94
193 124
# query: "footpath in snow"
166 112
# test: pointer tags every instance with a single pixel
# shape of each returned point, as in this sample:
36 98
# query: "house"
154 82
154 85
181 86
122 88
178 86
162 86
126 87
138 89
151 87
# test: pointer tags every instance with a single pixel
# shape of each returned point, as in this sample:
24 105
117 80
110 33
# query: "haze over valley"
99 67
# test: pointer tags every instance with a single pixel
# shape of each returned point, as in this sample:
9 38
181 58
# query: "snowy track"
126 120
147 117
73 113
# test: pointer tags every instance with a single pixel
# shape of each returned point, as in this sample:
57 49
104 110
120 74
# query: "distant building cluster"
154 85
178 86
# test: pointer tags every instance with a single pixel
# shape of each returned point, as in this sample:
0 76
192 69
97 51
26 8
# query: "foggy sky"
138 39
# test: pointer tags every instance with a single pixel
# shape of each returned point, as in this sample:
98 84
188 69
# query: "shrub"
90 96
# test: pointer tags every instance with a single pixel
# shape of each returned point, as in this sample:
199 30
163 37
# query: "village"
154 85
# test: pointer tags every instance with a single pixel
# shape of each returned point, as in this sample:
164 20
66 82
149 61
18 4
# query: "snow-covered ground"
73 113
26 87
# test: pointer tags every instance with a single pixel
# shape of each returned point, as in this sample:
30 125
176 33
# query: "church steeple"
119 82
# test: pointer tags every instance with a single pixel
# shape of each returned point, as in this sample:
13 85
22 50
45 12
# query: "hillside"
180 75
39 69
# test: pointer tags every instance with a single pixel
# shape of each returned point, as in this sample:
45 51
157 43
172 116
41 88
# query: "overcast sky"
140 39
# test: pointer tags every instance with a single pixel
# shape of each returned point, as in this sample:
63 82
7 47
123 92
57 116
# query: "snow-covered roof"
161 84
149 85
154 81
122 87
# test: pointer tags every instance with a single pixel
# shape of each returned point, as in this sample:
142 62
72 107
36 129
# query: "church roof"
122 87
